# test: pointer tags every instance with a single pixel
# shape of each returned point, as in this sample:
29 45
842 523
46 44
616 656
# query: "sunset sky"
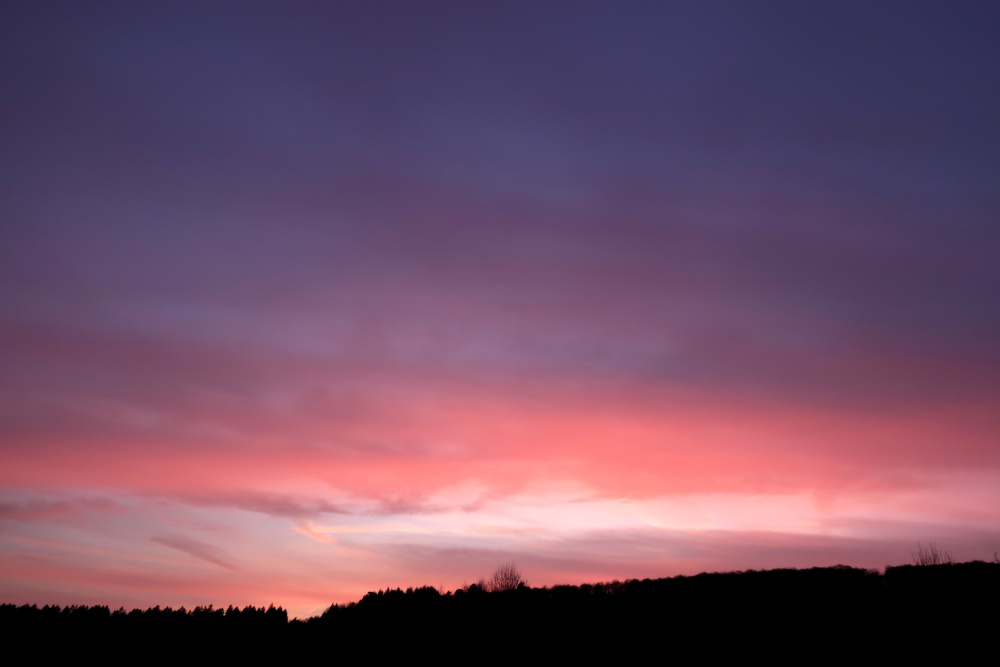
300 300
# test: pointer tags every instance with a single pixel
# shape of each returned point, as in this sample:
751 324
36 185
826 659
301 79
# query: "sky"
300 300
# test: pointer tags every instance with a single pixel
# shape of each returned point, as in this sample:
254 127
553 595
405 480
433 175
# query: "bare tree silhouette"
505 578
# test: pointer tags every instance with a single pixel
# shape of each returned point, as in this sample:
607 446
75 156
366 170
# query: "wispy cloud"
272 504
198 549
42 508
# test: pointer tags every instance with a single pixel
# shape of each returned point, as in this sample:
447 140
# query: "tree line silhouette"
950 606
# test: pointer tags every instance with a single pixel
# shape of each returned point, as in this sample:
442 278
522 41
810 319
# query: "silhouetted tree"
505 578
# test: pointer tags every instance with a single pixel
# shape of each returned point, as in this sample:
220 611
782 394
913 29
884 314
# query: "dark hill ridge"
905 610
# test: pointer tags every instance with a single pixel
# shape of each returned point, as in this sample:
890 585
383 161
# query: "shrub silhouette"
931 556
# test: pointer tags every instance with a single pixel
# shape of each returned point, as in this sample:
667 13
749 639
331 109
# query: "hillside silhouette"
911 610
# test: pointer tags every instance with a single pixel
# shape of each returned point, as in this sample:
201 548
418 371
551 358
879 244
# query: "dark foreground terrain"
949 611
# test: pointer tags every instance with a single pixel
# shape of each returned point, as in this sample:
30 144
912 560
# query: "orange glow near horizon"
484 478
